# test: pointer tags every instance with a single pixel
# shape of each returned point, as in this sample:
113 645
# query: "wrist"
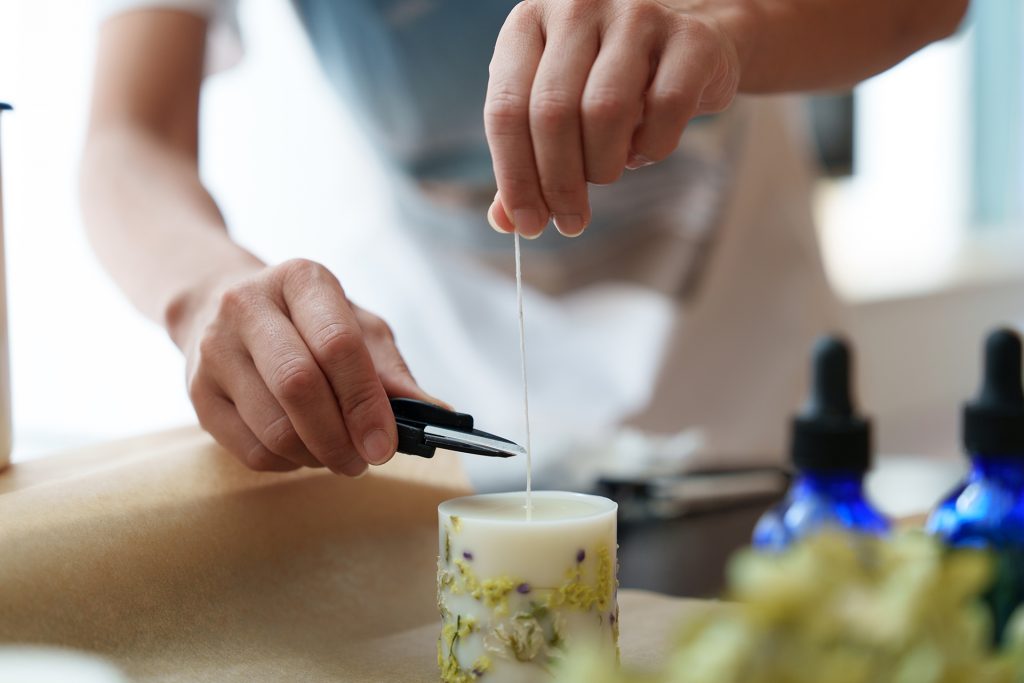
187 308
737 24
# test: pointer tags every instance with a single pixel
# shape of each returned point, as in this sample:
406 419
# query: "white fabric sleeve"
205 8
224 43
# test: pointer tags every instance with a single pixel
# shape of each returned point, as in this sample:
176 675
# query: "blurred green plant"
841 609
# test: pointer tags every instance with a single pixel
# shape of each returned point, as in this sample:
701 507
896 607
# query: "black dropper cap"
993 423
828 434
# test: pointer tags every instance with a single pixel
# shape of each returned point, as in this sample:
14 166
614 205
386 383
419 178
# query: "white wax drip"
526 392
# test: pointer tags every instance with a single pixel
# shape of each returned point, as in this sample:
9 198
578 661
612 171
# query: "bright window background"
997 114
937 195
286 165
84 365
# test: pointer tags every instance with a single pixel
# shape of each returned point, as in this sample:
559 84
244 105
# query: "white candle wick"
526 391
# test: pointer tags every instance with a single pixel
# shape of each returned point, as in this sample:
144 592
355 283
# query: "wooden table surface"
166 556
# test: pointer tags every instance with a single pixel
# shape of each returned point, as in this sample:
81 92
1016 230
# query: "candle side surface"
515 594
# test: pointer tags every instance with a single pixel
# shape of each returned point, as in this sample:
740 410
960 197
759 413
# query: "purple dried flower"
581 555
478 672
468 555
523 588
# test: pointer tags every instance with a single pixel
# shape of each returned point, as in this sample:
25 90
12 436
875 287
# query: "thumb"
498 217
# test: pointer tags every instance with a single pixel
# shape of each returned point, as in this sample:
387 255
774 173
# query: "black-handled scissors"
423 427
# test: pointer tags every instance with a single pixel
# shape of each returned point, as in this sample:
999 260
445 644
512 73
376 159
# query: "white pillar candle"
515 594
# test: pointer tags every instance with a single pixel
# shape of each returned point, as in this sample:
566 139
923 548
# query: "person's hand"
285 372
581 89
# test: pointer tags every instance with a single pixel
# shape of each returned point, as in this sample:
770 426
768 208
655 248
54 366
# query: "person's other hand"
284 371
581 89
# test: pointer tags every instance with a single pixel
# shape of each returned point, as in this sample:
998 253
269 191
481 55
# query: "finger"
517 53
497 217
555 122
218 416
261 412
688 65
230 431
328 325
296 382
613 100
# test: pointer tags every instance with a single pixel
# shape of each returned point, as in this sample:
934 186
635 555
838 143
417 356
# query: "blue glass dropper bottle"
831 451
987 509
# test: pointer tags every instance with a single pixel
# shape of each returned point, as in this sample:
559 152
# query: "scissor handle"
411 416
411 410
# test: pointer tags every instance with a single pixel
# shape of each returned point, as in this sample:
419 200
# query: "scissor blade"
476 442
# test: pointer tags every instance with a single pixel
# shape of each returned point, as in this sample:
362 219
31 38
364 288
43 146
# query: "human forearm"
788 45
153 226
151 222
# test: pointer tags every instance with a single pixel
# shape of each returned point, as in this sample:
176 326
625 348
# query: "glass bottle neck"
835 484
1007 470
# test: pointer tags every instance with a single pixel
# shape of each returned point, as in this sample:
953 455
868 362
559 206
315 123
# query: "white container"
516 594
5 366
39 664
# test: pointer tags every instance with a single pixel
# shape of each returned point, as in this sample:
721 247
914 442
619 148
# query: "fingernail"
492 222
569 224
527 221
377 447
635 161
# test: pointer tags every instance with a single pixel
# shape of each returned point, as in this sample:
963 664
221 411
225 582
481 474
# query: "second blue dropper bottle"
987 509
831 452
